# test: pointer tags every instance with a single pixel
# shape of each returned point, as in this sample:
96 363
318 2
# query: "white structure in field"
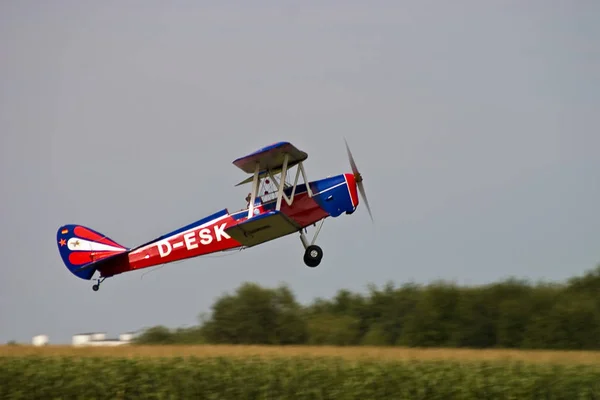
99 339
40 340
126 337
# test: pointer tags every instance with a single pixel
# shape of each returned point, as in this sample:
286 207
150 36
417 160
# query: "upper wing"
271 158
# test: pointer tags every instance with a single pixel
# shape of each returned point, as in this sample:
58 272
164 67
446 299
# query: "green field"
240 372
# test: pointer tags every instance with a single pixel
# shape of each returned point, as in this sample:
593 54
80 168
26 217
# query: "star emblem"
62 242
76 243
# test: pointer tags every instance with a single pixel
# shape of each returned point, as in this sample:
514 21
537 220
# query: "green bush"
290 378
507 314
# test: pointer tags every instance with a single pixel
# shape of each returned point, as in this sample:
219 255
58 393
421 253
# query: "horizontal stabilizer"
262 228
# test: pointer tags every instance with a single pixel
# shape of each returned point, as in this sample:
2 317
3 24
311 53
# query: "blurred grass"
347 353
288 377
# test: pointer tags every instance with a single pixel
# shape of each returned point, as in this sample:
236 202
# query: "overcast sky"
475 126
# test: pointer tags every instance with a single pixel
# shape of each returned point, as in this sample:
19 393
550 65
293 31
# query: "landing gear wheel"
97 285
313 256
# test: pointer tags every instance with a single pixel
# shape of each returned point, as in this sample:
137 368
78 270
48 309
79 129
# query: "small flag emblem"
64 231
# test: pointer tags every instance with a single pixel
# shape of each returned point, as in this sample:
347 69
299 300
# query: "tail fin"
82 248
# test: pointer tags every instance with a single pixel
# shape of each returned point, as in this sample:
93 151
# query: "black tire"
313 256
95 288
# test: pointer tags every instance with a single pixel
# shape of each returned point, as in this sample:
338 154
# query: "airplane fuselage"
330 197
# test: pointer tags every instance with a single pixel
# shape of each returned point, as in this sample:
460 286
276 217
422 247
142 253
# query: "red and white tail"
83 249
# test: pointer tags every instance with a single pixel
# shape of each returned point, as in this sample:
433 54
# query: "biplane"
277 206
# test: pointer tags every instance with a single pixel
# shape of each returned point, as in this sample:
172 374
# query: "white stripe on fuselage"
329 188
214 221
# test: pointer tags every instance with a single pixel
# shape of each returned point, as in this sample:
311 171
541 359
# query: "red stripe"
85 257
85 233
353 189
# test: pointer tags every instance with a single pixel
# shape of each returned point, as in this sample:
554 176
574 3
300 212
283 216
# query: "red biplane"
276 207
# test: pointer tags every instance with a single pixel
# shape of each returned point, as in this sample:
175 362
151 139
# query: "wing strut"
254 190
281 186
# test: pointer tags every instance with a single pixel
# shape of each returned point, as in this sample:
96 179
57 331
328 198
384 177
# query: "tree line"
507 314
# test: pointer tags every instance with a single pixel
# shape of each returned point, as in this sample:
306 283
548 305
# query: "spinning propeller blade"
359 179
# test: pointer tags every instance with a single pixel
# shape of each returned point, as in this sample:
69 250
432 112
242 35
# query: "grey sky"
475 125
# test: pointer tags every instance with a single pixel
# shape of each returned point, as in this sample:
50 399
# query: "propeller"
359 179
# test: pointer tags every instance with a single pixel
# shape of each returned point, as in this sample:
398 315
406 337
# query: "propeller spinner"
359 179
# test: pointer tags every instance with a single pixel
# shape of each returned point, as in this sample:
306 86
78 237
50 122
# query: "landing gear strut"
312 253
97 285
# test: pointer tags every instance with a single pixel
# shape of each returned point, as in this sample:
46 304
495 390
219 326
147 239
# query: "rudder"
81 247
